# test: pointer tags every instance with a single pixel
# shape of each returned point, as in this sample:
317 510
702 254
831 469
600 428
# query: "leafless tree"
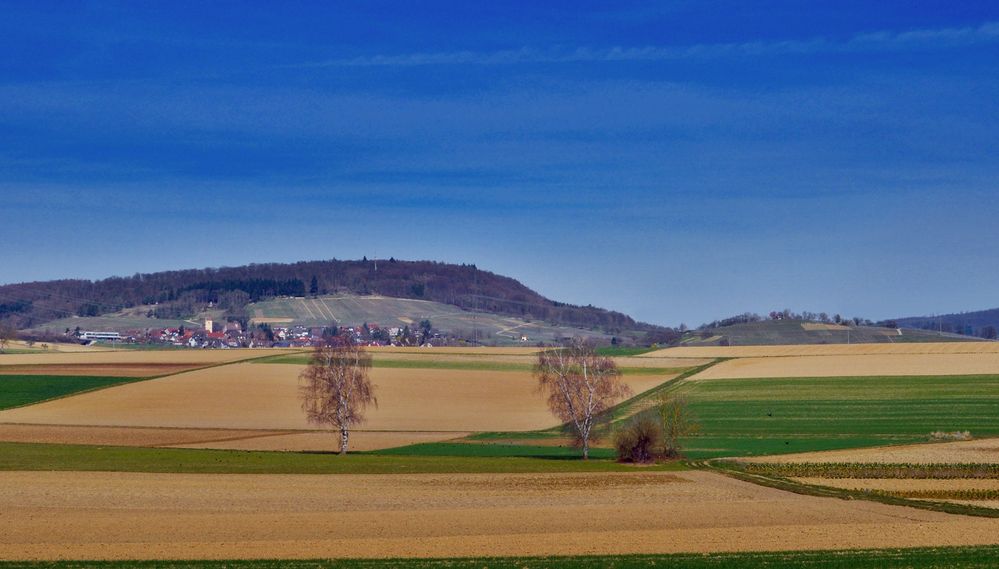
7 333
677 421
336 388
579 385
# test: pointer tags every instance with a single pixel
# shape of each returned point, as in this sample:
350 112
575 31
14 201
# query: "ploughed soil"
69 515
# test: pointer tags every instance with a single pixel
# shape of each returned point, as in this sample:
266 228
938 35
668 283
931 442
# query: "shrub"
675 421
638 440
954 436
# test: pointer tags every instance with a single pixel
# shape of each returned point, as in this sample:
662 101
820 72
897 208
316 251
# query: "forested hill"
183 293
981 323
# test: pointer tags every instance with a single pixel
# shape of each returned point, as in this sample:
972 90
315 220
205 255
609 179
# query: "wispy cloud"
882 41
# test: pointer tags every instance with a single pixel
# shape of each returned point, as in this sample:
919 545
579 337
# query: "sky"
677 161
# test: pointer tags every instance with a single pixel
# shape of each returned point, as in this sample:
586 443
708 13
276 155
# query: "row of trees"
578 385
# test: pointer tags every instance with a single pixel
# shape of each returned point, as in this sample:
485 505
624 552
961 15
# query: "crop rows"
942 494
873 470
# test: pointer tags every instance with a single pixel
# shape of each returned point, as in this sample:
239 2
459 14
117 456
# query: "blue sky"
678 161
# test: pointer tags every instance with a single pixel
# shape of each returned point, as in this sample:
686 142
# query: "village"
234 335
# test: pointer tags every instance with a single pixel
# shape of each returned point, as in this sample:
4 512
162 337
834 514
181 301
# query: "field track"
258 396
854 366
52 515
826 350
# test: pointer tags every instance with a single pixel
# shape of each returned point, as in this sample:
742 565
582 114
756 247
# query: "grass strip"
39 456
978 557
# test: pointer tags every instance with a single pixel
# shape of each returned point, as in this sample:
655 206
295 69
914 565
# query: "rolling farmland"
464 427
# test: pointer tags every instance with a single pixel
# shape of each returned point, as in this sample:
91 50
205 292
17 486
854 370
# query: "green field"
763 416
929 558
32 456
18 390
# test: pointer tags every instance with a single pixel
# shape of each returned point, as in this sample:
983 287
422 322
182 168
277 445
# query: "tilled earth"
51 515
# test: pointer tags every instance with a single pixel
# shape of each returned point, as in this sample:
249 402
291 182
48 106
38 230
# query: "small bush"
638 440
955 436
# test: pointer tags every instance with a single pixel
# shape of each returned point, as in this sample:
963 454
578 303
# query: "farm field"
981 451
785 415
969 347
415 405
461 438
855 365
176 516
17 390
975 557
114 358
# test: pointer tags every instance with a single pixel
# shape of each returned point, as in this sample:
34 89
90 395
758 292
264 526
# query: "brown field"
827 350
854 365
265 396
105 370
53 515
119 436
232 439
960 452
141 357
325 441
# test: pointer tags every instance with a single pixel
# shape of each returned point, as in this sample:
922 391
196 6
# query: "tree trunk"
344 435
586 449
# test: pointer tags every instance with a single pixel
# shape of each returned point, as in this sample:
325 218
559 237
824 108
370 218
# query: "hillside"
177 295
980 323
777 332
388 312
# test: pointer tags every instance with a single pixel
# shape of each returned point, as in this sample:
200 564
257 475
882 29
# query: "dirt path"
132 516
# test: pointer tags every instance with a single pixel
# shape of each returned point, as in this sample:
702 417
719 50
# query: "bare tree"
579 385
7 333
677 422
336 388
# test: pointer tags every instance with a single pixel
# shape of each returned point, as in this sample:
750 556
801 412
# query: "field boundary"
733 469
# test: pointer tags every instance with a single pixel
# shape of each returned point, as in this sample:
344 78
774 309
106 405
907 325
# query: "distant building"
101 336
